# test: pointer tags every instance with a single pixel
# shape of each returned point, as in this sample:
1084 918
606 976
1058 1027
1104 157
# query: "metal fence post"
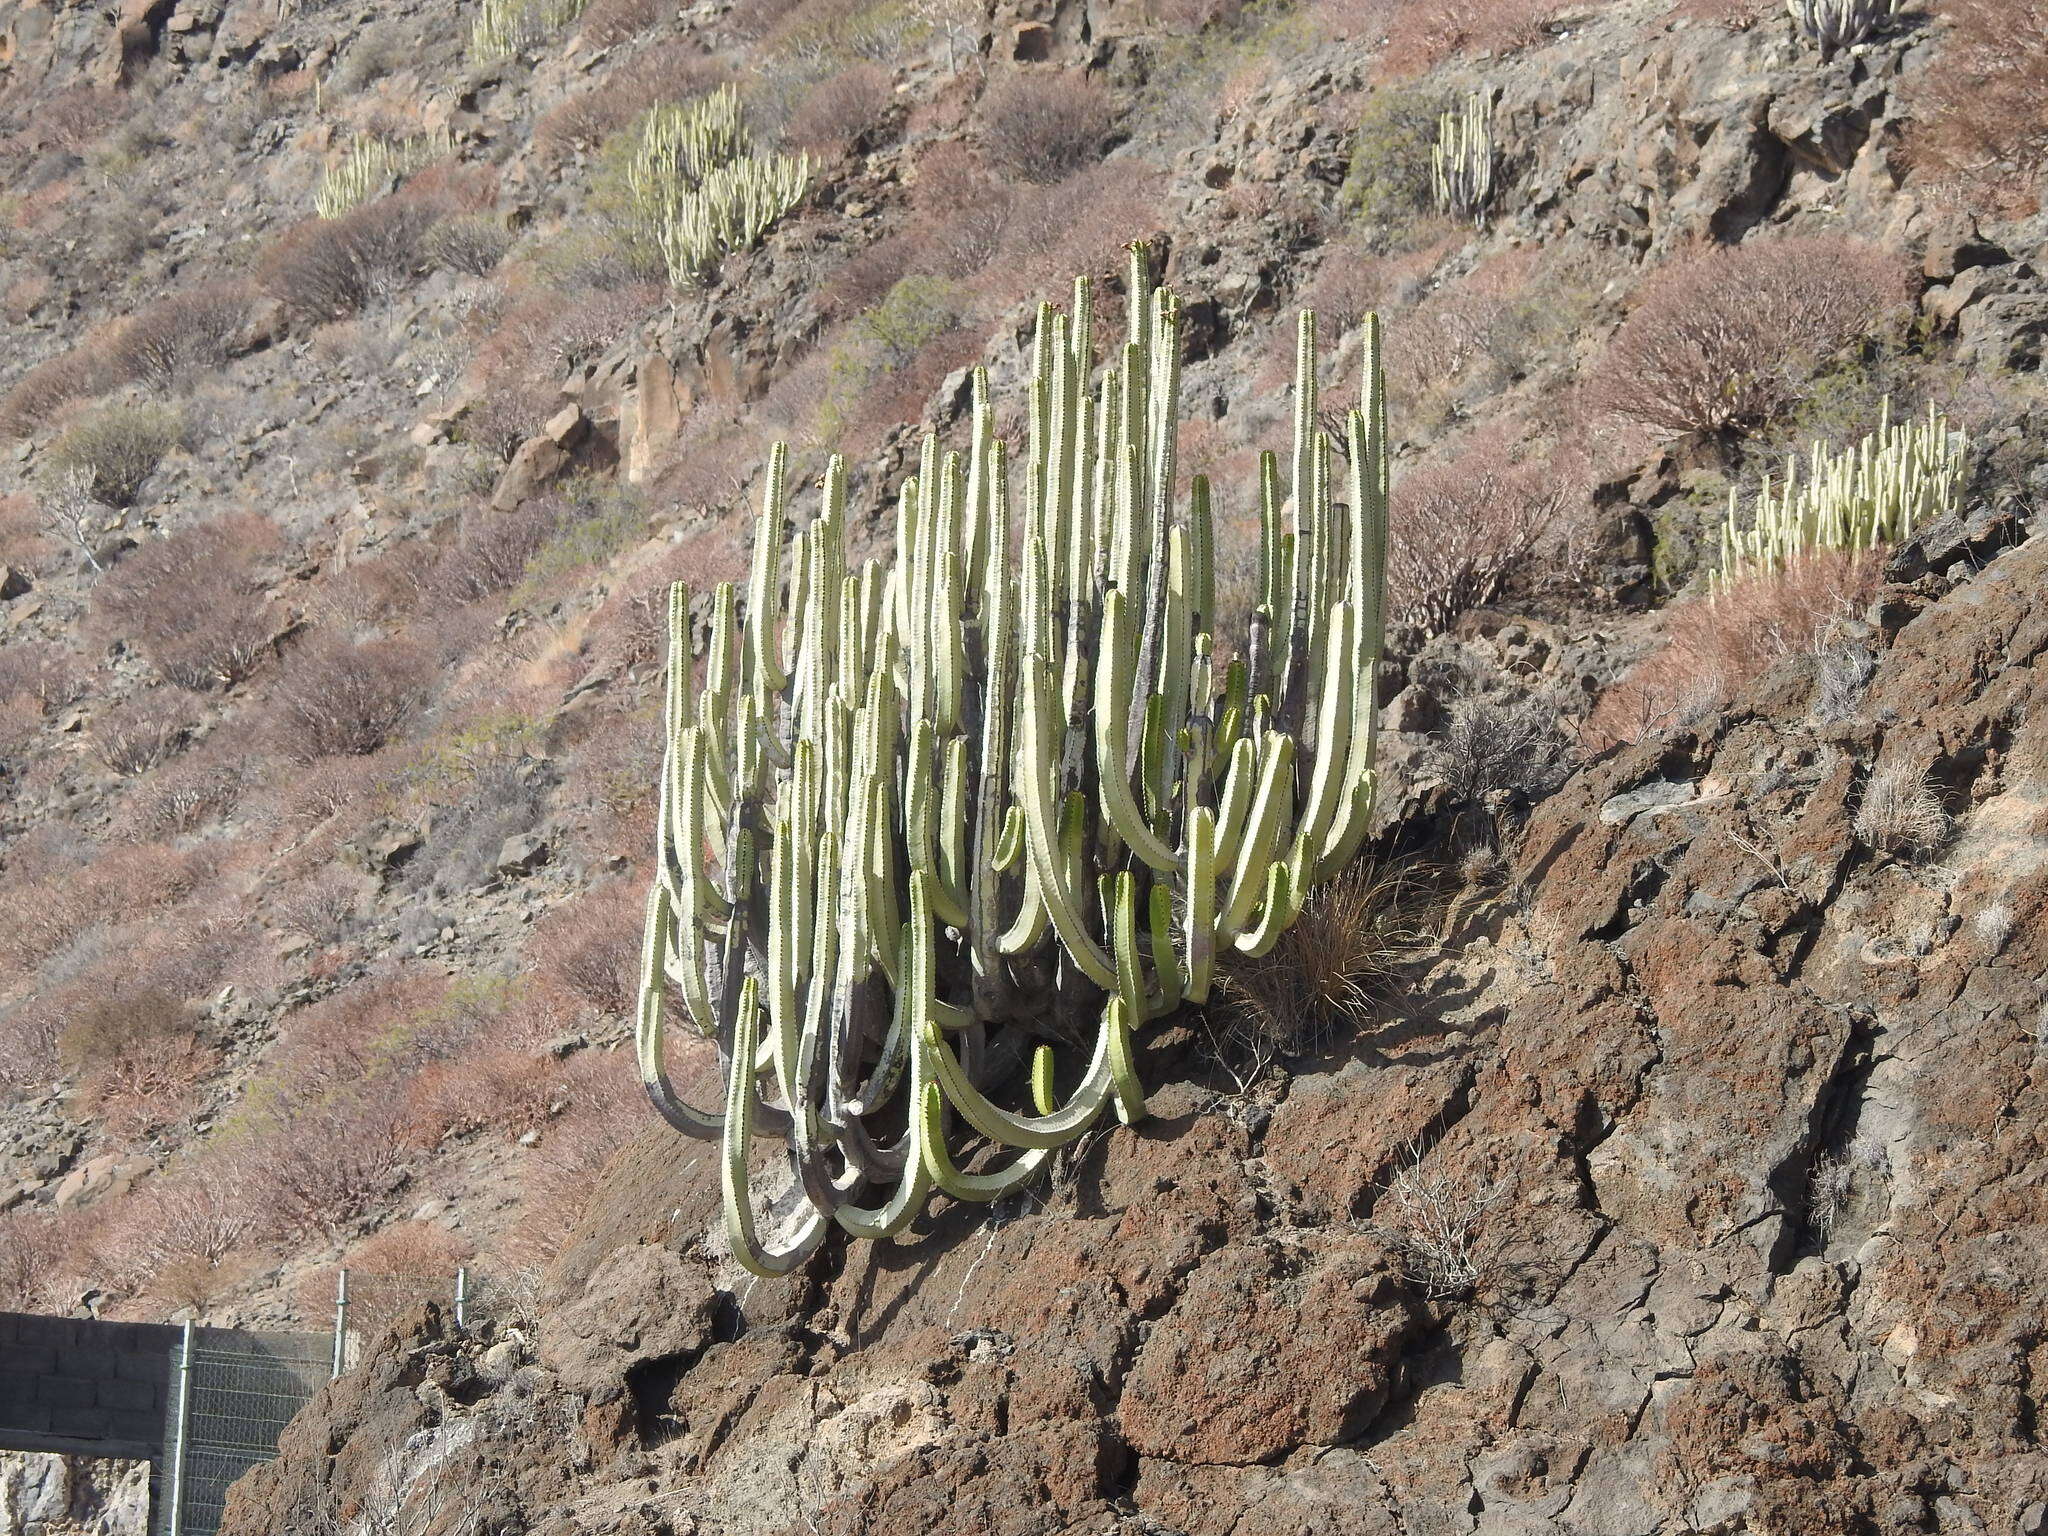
461 1297
340 1320
176 1525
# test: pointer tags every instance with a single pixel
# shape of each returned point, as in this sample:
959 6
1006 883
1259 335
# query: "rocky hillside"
1654 1159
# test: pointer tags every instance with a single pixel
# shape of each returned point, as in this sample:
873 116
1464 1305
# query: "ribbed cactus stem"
1462 160
1001 783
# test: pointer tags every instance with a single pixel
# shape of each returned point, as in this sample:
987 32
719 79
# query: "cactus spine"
1872 493
1003 793
1839 24
1462 160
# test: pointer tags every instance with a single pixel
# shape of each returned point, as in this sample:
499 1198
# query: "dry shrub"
135 736
473 243
1724 341
86 370
182 1238
182 335
1981 113
1044 127
341 699
106 1026
76 118
1318 981
1900 813
838 115
1715 648
492 550
534 346
327 269
590 948
669 72
507 1091
192 793
613 772
607 23
31 1253
605 1110
376 590
1462 527
41 674
1081 225
319 908
1420 34
194 603
145 1089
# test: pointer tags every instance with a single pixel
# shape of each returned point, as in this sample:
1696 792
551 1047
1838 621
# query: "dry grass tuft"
1900 813
1353 936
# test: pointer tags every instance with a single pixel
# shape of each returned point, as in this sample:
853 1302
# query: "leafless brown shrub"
1420 34
1981 113
318 908
42 673
1462 527
1044 127
197 790
837 114
86 370
135 736
590 948
184 334
31 1250
327 269
664 73
319 1162
149 1086
1080 225
194 602
341 699
472 242
1713 649
604 1114
1900 813
607 23
1725 340
492 549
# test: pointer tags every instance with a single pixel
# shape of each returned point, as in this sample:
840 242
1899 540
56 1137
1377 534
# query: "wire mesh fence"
231 1396
233 1392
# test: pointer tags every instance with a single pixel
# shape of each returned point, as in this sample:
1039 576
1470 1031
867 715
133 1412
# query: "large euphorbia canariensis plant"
1002 793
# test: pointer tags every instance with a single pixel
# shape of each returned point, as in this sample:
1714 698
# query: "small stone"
530 1139
523 854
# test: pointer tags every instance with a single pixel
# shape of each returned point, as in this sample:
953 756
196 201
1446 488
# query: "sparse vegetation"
1044 127
117 449
1900 814
1724 341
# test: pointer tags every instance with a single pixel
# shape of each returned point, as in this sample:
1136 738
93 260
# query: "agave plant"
1005 794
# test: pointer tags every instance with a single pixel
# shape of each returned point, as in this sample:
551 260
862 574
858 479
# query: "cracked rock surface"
1748 1113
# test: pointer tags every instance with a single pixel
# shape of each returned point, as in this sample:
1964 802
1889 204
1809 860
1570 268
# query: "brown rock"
1274 1345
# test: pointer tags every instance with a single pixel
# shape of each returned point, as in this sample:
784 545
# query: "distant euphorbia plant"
1839 24
928 819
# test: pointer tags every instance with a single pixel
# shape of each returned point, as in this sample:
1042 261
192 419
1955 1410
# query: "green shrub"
115 450
1390 183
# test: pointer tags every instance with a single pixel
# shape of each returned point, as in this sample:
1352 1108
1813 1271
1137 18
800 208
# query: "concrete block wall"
83 1387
